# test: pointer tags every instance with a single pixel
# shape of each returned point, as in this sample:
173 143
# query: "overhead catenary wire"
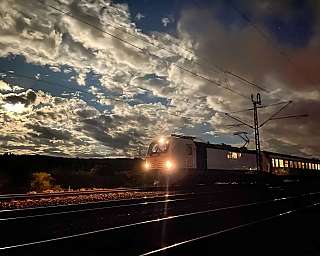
197 62
10 75
276 113
290 116
262 106
144 52
19 75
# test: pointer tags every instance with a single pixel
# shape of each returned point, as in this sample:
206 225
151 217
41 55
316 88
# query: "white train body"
177 153
181 152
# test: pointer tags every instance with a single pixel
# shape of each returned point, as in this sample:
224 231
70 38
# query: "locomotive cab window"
158 147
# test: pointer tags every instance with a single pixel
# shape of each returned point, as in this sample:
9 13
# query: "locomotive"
180 153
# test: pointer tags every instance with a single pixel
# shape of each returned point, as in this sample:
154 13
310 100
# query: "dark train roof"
226 147
241 149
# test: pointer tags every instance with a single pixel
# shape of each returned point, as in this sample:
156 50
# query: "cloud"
4 86
240 49
140 94
167 20
25 98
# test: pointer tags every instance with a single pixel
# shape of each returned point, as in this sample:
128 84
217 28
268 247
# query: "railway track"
65 193
165 218
92 191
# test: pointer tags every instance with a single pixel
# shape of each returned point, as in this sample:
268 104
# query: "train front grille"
156 163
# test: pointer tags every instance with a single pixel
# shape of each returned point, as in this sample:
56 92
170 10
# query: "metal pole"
255 103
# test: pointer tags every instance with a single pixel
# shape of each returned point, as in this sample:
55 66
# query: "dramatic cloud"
241 50
113 97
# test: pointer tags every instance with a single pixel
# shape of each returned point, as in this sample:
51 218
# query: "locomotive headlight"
147 165
161 141
169 165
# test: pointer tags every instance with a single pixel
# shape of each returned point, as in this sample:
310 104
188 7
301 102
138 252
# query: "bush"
41 181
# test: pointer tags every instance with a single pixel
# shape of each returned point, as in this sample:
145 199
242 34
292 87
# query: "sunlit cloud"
140 94
16 108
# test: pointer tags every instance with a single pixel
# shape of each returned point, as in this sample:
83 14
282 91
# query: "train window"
276 161
156 147
286 163
233 155
303 166
295 164
312 166
291 164
309 166
281 165
272 162
319 167
299 165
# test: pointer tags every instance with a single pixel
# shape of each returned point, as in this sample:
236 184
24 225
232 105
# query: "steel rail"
154 221
165 197
66 193
251 223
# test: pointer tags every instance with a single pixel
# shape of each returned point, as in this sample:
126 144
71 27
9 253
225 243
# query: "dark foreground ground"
208 220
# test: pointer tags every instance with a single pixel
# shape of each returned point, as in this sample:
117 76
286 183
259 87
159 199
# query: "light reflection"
165 212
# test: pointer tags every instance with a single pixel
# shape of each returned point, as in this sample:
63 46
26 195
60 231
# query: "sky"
103 78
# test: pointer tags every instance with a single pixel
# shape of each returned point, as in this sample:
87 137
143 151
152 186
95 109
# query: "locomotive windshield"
158 147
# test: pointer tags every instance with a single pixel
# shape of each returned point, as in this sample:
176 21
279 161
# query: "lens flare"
161 141
147 166
169 164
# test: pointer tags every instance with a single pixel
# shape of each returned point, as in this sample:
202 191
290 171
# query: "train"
179 153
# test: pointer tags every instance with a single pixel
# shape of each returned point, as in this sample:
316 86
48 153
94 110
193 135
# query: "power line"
256 105
122 100
290 116
198 63
262 106
142 50
276 113
211 81
47 82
